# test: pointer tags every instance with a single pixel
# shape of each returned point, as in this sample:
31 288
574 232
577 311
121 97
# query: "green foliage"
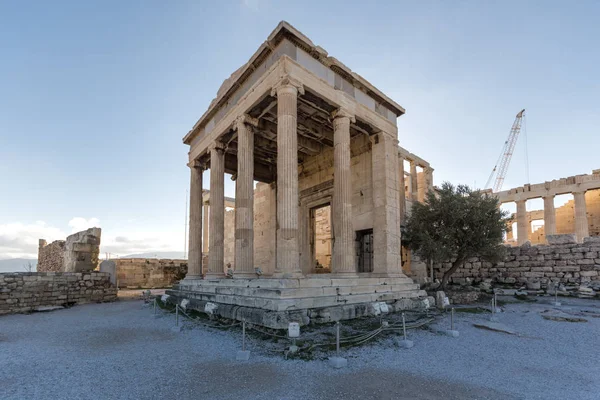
456 223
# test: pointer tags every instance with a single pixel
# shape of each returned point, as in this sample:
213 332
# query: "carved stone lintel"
287 81
343 113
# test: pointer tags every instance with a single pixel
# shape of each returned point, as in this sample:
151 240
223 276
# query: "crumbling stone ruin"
580 216
314 134
78 253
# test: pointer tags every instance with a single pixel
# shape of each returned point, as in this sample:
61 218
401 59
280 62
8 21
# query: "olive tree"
455 223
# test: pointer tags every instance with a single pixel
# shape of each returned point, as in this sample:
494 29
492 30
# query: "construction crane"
507 151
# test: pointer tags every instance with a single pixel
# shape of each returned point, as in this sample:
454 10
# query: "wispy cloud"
20 240
253 5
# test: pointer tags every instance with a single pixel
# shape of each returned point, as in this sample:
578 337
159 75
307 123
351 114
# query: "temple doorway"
321 238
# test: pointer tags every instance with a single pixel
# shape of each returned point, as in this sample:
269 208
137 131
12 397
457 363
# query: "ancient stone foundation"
536 267
30 291
274 303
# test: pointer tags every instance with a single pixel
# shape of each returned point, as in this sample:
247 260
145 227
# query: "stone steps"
303 299
284 293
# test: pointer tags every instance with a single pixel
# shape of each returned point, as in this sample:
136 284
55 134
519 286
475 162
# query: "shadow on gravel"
385 385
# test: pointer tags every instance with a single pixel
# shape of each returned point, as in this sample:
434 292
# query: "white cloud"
79 224
21 240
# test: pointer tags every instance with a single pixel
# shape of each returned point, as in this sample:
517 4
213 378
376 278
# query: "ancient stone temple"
313 134
580 216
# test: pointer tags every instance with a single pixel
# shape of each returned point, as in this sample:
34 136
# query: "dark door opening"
365 250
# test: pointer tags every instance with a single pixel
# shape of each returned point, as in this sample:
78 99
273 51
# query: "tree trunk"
447 274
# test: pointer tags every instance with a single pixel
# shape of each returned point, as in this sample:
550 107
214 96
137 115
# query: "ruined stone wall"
79 253
28 291
146 273
82 250
570 264
51 256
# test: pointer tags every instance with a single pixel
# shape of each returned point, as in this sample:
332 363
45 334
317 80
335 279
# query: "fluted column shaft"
428 172
401 186
244 202
581 222
549 216
195 228
386 226
205 228
522 231
414 186
343 245
288 256
217 212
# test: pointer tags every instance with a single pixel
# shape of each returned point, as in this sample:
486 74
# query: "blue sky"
96 96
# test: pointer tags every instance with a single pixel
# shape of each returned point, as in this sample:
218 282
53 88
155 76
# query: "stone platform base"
274 303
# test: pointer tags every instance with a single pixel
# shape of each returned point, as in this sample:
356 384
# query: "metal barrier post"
243 355
337 361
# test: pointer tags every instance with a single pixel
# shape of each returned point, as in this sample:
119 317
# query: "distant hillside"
17 264
158 254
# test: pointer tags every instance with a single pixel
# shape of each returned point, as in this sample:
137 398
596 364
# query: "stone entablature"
577 185
286 41
78 253
29 291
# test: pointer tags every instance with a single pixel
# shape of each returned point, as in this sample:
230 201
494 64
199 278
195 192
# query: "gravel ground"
118 351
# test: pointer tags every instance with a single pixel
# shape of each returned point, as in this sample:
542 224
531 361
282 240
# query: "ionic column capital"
244 119
197 164
343 113
218 146
287 84
578 192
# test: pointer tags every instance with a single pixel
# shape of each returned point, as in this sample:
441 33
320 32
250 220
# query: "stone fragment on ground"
494 326
554 315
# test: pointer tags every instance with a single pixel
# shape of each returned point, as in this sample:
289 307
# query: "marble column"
195 229
414 186
581 222
401 186
244 201
428 172
288 256
386 226
549 216
522 230
205 227
343 232
217 212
